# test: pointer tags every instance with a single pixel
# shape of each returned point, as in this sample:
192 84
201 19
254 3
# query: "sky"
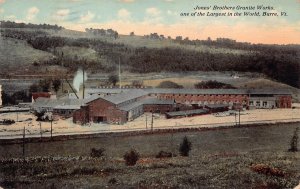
164 17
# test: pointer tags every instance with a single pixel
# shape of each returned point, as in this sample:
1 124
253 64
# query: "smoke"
78 79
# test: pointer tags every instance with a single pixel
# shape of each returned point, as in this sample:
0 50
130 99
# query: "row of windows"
258 103
213 102
198 95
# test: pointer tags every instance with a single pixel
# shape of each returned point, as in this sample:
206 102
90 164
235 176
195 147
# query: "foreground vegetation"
254 157
223 170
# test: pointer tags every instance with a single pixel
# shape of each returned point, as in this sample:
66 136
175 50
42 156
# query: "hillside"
100 50
17 54
141 41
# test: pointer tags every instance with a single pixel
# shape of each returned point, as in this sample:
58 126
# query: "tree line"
10 24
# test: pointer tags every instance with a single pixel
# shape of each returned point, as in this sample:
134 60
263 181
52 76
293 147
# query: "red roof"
41 94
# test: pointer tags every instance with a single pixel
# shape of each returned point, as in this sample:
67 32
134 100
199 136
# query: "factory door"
99 119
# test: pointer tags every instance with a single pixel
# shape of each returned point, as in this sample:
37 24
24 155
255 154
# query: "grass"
139 41
226 158
80 52
205 171
14 53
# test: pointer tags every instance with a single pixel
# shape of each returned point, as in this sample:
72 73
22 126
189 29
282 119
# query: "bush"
185 147
294 141
163 154
131 157
267 170
169 85
97 152
213 85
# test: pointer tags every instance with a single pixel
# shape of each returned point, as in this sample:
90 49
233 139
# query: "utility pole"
120 81
146 122
51 129
41 130
23 146
235 121
239 116
83 86
172 142
152 121
62 85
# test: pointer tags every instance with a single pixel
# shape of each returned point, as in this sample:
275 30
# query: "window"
257 103
251 103
265 103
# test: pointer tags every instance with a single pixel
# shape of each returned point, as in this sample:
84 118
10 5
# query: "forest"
279 62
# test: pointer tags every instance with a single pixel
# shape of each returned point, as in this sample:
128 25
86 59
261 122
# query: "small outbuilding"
213 108
187 113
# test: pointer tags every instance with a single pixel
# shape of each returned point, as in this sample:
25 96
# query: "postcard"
149 94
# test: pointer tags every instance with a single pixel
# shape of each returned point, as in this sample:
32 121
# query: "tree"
294 141
178 38
213 85
113 79
34 88
169 84
185 147
131 157
45 85
97 152
56 85
6 98
131 34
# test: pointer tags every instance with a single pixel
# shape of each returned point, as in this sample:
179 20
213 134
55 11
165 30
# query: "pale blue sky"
162 16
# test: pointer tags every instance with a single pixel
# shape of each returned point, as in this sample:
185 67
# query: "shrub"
97 152
113 79
294 141
185 147
213 85
163 154
169 85
266 170
112 181
131 157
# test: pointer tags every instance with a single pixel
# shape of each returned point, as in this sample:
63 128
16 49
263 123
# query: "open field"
219 159
140 41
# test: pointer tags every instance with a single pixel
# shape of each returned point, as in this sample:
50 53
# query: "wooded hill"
154 52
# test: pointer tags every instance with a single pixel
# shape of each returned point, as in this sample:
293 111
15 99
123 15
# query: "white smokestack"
78 79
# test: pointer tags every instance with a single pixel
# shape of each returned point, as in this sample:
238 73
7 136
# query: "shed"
187 113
